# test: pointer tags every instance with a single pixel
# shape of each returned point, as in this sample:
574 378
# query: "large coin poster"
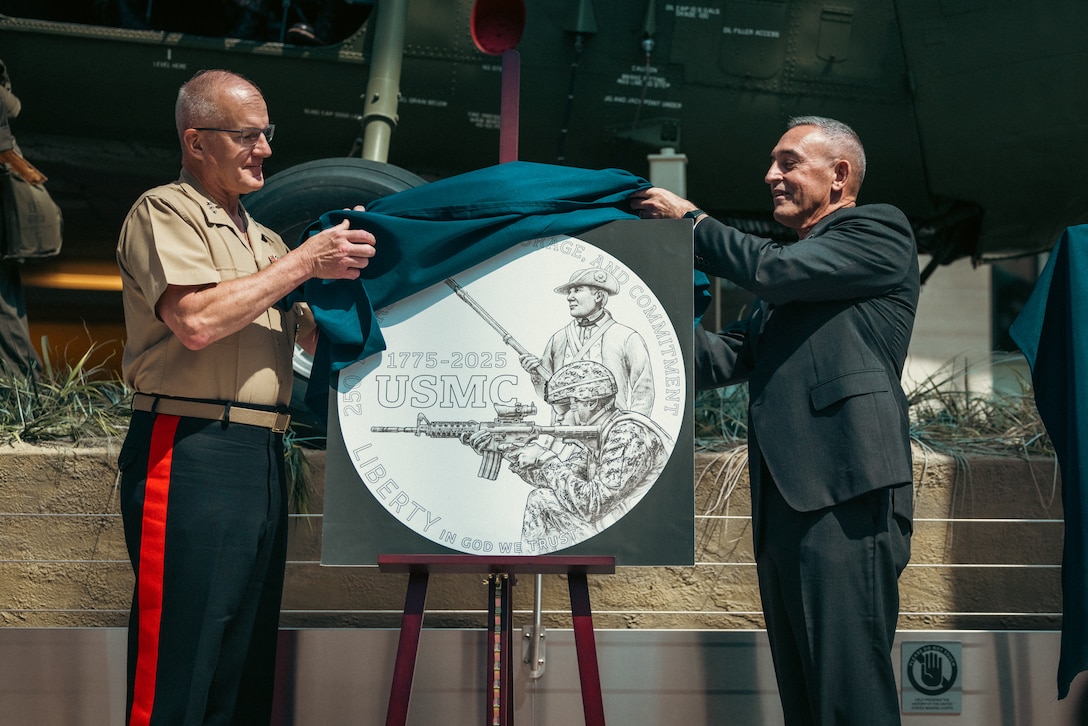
539 403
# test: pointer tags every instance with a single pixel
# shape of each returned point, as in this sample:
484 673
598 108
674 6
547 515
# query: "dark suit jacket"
822 351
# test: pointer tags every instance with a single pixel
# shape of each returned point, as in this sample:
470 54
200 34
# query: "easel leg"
500 644
586 646
411 623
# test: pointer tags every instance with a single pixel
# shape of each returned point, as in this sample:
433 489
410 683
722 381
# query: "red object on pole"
496 27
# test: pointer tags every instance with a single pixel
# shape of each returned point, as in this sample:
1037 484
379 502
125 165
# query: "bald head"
213 110
207 98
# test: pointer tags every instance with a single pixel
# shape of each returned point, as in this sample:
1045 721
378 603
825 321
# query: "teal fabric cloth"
1052 332
431 232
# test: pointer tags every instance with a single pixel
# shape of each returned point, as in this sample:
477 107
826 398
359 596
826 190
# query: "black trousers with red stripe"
205 513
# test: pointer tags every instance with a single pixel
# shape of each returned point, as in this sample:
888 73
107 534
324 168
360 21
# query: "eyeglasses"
247 136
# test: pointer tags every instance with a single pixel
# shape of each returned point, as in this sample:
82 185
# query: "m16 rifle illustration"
507 433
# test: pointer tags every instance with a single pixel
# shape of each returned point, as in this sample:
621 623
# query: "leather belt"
229 412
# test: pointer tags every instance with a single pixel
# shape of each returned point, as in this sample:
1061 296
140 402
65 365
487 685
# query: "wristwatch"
694 214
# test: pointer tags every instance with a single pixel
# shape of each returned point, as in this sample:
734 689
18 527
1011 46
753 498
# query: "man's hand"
202 314
658 203
338 253
308 342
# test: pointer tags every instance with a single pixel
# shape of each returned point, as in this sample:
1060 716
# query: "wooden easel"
500 571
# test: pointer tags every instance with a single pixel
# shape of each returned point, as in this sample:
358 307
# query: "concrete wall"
953 324
986 556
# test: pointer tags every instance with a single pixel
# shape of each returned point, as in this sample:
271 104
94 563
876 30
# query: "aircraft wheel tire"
293 198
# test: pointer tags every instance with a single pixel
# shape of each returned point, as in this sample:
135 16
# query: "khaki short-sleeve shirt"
177 235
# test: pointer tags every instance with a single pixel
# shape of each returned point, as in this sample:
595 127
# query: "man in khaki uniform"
208 352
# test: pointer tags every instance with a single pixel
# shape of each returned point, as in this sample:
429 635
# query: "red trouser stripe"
152 555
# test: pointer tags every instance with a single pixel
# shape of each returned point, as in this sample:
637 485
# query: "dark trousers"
829 584
205 515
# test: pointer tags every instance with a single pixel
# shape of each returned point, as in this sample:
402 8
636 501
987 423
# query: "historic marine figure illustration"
593 334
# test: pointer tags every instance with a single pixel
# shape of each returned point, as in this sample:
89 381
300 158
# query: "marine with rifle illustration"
609 457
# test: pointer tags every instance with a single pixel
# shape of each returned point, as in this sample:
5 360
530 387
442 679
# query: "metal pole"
509 106
535 658
383 88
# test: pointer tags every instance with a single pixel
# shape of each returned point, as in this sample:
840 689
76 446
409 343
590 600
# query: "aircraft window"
299 22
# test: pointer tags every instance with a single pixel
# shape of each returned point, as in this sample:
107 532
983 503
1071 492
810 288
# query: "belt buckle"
283 420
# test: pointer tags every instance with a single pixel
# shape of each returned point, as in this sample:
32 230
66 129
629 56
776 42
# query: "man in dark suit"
829 450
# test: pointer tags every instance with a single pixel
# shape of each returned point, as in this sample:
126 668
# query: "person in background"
208 355
822 352
17 353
